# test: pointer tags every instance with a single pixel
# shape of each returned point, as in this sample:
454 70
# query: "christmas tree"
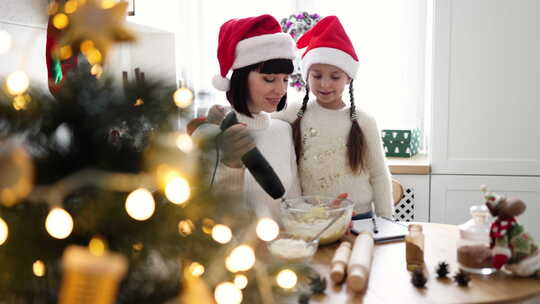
104 199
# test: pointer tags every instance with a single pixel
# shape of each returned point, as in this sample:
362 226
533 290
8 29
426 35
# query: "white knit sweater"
324 168
274 139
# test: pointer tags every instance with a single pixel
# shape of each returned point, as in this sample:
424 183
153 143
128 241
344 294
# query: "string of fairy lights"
139 204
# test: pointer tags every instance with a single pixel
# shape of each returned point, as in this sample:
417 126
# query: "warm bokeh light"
286 279
4 231
240 281
138 246
165 174
96 70
185 227
221 234
140 204
60 21
267 229
184 143
16 175
195 269
17 82
138 102
86 46
5 41
97 246
66 52
94 56
242 258
70 7
38 268
20 102
106 4
207 225
177 190
183 97
59 223
227 293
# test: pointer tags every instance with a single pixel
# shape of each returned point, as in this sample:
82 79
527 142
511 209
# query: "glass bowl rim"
346 203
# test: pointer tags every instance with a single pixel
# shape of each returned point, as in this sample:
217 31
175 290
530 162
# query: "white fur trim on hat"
324 55
221 83
262 48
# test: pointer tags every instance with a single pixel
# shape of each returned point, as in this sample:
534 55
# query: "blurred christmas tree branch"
111 181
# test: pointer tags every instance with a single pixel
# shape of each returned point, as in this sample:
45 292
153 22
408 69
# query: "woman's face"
327 83
266 91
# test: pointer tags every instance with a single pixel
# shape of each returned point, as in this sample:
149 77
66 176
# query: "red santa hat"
328 43
247 41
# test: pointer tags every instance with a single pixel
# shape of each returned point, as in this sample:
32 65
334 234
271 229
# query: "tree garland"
296 25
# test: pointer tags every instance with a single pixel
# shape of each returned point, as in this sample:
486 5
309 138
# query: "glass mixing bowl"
306 216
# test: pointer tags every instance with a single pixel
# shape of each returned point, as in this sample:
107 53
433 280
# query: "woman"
260 56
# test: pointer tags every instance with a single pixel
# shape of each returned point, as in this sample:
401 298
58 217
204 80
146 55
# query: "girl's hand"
216 114
235 142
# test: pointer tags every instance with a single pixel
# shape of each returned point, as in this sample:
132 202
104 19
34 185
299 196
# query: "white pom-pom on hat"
221 83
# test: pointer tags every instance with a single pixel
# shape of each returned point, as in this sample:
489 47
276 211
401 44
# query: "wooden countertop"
390 281
418 164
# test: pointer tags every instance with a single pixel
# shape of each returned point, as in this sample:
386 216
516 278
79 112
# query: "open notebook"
386 230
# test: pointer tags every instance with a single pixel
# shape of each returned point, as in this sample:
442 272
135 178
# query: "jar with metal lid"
473 245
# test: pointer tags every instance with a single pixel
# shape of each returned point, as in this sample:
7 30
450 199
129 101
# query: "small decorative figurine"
442 270
512 247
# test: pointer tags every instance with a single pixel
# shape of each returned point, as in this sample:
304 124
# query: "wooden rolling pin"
340 261
360 262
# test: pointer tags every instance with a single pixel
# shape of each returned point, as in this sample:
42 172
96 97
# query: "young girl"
338 147
260 57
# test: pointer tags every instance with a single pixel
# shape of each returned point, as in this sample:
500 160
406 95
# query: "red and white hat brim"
332 56
262 48
258 49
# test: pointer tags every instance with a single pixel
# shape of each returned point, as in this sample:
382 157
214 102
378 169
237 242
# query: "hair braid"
297 126
356 144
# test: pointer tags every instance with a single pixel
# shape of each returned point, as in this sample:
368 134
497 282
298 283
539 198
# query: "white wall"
27 12
25 21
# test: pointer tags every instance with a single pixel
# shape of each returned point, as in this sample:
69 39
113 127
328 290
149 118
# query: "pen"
375 229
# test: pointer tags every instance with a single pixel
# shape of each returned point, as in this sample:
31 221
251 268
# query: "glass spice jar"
414 248
473 252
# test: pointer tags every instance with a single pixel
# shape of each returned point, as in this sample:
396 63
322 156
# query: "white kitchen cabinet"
485 87
419 184
453 195
485 106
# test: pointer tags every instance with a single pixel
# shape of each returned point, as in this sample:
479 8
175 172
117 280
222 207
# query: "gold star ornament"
92 26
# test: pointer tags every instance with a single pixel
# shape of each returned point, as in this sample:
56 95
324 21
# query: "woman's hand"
216 114
235 142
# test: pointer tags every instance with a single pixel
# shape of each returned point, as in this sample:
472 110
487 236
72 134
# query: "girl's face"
327 83
266 91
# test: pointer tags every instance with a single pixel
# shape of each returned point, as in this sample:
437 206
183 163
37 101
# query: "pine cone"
317 285
462 278
418 279
442 270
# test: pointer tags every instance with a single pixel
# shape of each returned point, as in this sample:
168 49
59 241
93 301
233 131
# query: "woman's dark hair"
238 93
356 142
